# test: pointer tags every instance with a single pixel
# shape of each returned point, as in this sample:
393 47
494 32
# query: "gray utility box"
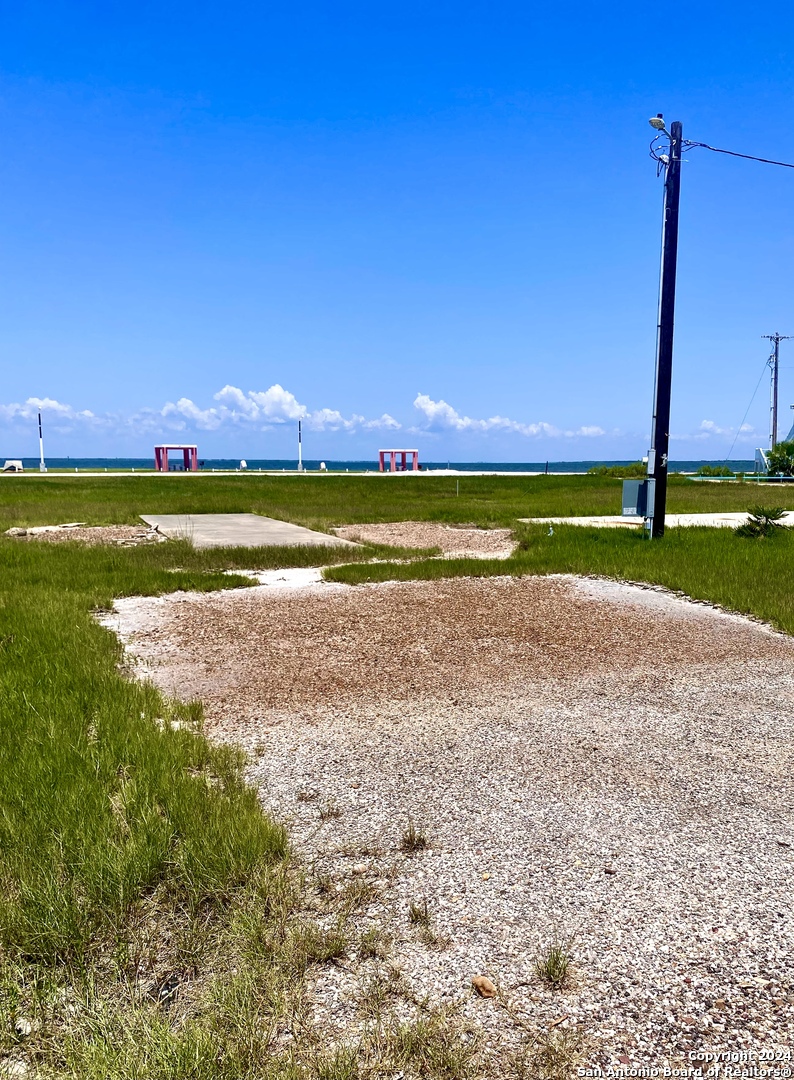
637 497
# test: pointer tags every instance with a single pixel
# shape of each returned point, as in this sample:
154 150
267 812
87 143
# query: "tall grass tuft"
552 966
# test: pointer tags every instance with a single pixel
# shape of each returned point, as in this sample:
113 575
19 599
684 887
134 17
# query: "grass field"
322 501
131 848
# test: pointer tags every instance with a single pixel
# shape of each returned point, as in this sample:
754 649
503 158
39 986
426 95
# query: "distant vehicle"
13 465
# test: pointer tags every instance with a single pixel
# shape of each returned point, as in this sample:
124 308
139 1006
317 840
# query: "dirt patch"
251 650
601 765
122 535
453 540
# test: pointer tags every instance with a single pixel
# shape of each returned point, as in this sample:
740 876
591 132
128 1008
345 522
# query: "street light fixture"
657 122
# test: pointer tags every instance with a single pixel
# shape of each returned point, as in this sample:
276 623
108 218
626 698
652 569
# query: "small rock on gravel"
483 986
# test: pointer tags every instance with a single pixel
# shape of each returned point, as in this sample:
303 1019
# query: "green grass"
755 577
323 501
553 965
118 804
98 804
413 839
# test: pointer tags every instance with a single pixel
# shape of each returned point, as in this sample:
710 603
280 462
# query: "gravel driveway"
600 764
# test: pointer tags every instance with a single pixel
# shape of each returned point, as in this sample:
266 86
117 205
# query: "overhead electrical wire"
687 144
747 410
733 153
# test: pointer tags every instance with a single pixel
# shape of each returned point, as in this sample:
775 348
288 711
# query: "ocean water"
276 465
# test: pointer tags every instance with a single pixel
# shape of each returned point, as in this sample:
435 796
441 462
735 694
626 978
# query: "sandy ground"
452 539
123 535
596 762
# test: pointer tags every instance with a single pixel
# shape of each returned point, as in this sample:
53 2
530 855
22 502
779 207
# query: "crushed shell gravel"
602 764
451 539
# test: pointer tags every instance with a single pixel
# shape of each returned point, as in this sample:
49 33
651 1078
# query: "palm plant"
763 521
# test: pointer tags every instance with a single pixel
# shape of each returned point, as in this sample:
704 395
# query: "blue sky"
426 224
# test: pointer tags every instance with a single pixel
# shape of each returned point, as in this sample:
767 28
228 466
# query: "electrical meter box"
636 498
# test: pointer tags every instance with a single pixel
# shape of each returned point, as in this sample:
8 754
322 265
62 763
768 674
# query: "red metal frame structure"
189 456
402 464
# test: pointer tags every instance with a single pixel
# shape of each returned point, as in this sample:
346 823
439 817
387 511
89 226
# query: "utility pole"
656 484
42 466
660 439
774 365
300 449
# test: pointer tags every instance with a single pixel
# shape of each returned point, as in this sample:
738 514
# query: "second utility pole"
773 363
660 442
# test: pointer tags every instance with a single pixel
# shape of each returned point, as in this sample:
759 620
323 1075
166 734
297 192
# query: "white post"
42 466
300 449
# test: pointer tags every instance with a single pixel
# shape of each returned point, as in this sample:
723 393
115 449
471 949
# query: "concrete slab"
239 530
672 521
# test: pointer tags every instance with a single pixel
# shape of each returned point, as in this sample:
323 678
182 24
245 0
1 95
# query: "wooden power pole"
660 440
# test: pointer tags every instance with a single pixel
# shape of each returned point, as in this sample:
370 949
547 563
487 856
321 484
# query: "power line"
733 153
747 410
662 159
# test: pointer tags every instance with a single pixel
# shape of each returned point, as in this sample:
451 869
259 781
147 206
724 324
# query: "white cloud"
441 416
259 408
332 420
28 410
277 404
384 422
185 409
708 429
238 402
263 409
